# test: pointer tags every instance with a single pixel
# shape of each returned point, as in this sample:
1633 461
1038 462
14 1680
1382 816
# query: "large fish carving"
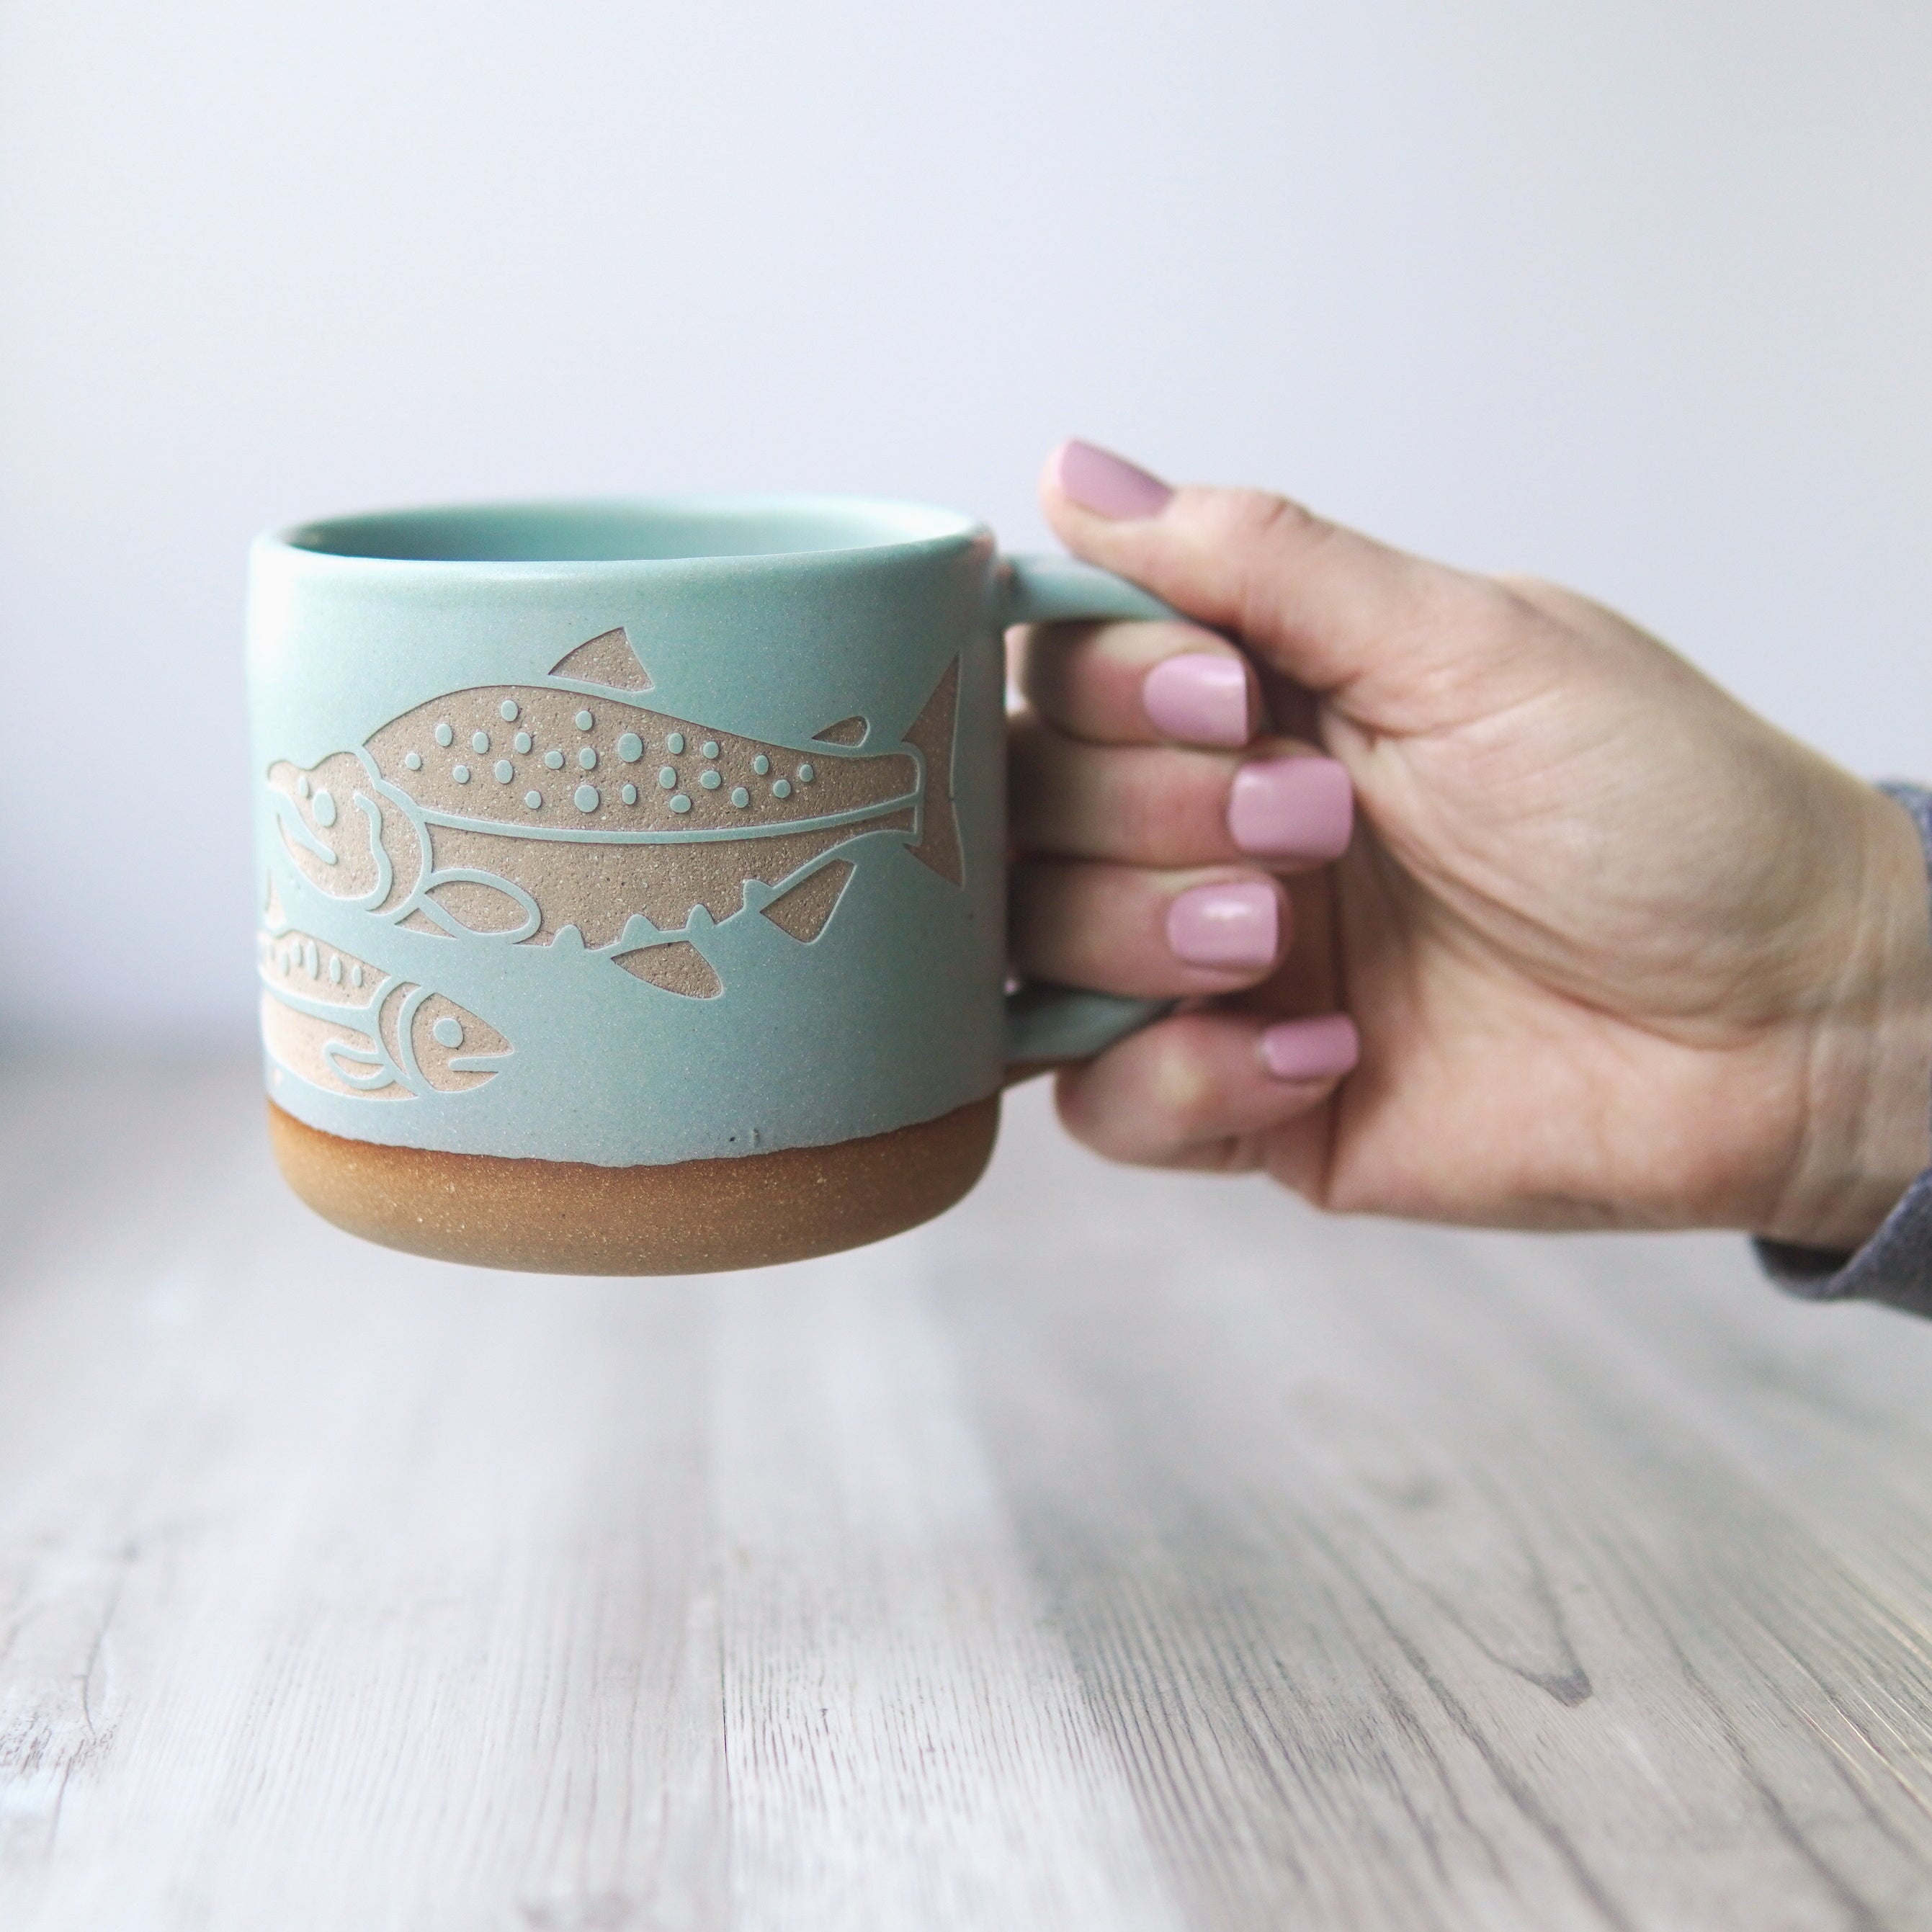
344 1025
568 811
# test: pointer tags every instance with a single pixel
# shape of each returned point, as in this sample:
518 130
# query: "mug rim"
824 526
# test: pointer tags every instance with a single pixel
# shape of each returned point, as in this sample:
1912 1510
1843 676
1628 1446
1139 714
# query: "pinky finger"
1191 1091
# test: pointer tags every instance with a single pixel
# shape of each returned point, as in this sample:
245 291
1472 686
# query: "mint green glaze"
756 620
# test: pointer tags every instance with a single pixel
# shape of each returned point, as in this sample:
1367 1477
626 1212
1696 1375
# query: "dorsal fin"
847 731
608 659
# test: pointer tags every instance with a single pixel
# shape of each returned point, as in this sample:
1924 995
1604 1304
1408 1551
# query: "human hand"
1618 953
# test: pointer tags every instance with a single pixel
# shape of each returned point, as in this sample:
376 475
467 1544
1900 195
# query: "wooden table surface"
1121 1551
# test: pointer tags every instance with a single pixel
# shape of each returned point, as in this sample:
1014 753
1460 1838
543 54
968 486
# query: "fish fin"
847 731
804 909
679 968
479 907
931 736
608 659
307 1046
419 921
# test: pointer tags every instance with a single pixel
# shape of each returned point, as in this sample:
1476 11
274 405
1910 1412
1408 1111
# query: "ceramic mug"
633 874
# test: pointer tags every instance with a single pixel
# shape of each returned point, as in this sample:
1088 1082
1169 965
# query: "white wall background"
1633 293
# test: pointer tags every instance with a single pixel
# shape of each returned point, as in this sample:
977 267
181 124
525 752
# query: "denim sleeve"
1895 1265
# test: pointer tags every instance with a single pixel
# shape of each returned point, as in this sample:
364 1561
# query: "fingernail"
1107 485
1236 926
1291 808
1311 1049
1199 698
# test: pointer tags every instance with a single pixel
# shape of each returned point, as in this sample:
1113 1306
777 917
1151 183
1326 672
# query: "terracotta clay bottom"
692 1217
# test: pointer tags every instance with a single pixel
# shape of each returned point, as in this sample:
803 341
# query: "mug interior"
622 532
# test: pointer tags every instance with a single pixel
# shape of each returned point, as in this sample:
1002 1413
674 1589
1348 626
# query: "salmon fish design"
567 812
346 1026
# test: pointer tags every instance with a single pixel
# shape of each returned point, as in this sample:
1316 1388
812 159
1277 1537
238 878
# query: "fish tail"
931 736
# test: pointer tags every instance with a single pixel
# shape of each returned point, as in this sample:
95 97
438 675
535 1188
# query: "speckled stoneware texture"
630 836
690 1217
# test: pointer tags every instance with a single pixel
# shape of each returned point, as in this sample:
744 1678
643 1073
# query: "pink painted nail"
1108 485
1291 808
1198 697
1236 926
1319 1049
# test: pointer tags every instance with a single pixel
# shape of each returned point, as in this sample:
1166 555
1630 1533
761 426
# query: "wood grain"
1118 1551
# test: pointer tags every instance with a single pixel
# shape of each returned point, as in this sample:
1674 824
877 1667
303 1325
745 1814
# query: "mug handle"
1047 1026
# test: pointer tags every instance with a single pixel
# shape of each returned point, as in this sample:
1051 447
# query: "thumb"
1375 630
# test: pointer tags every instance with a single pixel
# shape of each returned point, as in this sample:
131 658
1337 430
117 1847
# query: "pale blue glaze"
764 619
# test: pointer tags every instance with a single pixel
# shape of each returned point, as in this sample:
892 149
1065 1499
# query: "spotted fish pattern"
569 811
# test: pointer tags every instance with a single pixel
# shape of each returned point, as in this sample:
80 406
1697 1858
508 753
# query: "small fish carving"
569 812
346 1026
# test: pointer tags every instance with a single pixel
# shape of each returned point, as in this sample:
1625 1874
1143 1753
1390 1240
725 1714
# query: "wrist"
1866 1129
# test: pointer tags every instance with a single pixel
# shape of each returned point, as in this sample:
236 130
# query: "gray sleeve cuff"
1895 1265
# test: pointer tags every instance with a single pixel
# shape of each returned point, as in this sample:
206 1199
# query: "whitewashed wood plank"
1392 1554
356 1591
908 1741
1123 1551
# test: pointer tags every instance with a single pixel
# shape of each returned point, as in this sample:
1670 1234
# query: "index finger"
1139 683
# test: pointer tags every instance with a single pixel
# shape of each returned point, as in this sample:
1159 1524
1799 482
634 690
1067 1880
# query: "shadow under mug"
632 874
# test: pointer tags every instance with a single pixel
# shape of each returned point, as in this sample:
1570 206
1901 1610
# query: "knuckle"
1262 518
1140 813
1141 1102
1182 1093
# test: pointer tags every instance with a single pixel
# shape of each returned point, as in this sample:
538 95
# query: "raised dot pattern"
628 746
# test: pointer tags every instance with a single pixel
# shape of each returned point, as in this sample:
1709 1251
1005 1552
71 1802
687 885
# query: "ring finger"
1149 934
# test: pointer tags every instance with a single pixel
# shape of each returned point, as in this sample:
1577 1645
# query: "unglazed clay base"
691 1217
